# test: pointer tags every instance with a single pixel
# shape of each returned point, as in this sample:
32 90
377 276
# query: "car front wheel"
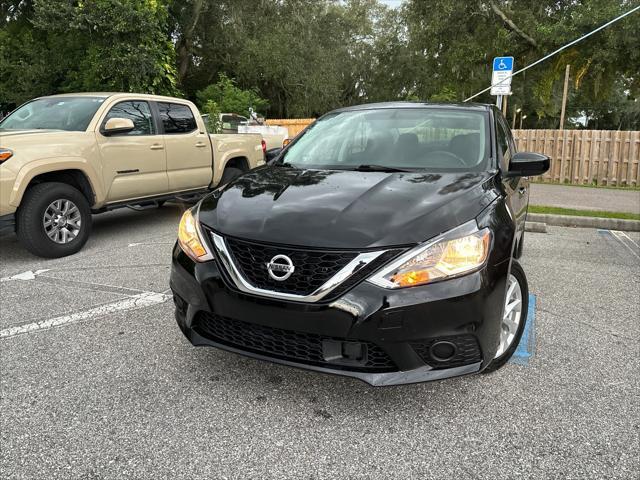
514 317
54 220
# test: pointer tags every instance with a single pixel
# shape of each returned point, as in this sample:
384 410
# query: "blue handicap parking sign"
502 64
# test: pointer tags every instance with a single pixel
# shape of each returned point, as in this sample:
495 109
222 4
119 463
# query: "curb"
585 222
536 227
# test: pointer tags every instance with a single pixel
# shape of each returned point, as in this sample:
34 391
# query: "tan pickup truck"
66 157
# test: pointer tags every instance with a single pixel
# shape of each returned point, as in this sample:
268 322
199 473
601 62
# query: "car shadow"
109 230
326 395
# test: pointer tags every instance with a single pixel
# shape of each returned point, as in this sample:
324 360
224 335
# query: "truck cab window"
138 112
176 118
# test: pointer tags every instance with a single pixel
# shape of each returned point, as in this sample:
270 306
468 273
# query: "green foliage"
94 45
301 58
230 98
213 112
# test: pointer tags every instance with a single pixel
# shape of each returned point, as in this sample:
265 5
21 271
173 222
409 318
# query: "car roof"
412 105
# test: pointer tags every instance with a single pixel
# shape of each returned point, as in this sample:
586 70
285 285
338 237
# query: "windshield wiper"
378 168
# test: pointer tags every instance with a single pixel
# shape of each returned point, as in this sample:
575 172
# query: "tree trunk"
185 44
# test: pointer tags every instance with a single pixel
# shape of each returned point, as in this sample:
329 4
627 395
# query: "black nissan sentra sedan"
381 244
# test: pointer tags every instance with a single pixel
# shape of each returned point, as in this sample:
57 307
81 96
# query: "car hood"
345 209
15 133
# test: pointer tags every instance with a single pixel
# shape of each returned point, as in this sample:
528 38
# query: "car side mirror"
527 164
272 153
117 125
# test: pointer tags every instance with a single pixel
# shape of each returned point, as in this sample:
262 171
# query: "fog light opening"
443 351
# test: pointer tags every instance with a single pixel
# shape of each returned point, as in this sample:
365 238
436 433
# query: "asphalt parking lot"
97 381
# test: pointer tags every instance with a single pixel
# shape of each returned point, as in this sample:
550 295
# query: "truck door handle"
157 146
201 144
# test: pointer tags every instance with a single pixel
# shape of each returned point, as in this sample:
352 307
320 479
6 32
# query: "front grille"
467 351
313 268
289 345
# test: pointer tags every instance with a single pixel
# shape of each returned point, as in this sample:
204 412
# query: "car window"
176 118
232 122
136 111
434 139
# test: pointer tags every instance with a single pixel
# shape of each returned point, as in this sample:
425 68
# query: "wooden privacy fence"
600 157
295 126
579 157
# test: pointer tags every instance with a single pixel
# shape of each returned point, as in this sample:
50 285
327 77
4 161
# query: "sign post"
501 78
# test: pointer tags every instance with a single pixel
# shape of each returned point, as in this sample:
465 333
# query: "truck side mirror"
526 164
117 125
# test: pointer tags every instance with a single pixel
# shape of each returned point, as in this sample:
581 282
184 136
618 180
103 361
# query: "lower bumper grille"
288 345
467 351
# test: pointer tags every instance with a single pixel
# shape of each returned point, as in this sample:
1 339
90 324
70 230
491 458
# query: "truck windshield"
56 113
432 139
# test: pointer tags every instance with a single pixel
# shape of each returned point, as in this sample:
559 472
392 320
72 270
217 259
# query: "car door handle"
201 144
522 190
156 146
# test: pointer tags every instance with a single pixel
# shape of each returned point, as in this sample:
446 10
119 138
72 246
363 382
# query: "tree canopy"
300 58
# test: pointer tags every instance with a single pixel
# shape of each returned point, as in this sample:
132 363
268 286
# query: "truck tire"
516 325
229 174
54 220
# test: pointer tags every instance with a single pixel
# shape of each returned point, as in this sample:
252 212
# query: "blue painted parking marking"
527 344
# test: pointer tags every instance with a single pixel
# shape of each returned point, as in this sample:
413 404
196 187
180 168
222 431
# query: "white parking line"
141 300
25 276
618 235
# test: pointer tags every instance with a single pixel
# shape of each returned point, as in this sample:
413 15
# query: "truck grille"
313 268
283 344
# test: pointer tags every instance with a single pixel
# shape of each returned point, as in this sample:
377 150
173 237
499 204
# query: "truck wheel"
229 174
516 306
54 220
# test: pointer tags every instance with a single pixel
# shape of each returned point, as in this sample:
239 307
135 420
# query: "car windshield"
432 139
57 113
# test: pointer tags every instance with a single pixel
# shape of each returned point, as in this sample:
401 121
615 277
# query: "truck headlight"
460 251
190 238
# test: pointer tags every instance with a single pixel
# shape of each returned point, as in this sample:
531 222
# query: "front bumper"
393 331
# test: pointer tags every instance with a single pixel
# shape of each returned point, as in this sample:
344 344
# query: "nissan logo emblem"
280 268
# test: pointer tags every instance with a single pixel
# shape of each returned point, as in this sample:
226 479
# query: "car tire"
54 220
511 343
229 174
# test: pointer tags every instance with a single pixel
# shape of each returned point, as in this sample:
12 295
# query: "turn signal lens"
189 238
438 260
5 154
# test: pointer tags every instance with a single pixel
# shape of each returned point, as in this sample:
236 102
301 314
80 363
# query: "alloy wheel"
512 315
62 221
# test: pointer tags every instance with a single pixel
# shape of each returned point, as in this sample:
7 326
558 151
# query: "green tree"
61 45
230 98
212 112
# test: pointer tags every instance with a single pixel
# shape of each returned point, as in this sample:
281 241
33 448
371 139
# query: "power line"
556 51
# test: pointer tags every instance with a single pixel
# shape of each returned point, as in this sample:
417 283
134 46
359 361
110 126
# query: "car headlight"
190 238
458 252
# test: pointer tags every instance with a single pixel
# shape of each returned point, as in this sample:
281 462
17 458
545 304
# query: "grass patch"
583 213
